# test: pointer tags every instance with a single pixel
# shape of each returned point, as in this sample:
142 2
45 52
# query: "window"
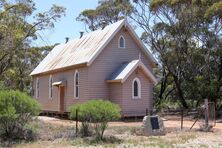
50 87
135 85
37 88
121 42
136 89
76 85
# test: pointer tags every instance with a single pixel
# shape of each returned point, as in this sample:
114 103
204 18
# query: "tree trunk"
163 84
180 92
220 72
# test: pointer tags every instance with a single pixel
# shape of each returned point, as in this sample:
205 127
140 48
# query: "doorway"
61 98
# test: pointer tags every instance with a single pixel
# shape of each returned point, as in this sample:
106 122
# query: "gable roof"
126 70
84 50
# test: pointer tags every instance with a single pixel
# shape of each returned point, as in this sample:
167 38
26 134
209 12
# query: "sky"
67 26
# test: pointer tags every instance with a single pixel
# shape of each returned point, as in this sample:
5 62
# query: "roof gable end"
127 69
135 37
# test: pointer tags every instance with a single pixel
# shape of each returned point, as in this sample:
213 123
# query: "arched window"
136 89
121 43
135 92
37 88
76 85
50 87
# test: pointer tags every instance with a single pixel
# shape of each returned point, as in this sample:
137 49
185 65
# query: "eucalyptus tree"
108 11
187 37
19 26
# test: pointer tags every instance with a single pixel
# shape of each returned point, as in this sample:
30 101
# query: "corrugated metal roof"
127 68
84 50
122 72
77 51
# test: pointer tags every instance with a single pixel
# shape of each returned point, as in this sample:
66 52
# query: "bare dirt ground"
123 134
171 123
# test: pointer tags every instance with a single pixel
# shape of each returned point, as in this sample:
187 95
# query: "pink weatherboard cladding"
96 71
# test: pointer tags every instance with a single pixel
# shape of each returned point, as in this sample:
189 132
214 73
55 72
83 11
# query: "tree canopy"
108 11
186 38
17 56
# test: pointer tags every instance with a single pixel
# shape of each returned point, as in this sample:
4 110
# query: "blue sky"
67 26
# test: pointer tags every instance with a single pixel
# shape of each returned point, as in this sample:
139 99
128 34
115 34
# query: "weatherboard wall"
131 106
115 93
53 104
109 60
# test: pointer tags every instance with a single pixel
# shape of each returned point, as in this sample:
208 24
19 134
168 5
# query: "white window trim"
50 87
139 89
124 45
74 88
37 88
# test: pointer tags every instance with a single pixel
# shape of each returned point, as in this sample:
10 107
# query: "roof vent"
103 24
81 34
67 39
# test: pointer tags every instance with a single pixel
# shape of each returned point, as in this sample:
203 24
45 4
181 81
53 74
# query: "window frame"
37 88
76 85
50 87
124 42
139 88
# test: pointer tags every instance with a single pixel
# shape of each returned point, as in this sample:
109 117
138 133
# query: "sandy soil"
175 137
170 122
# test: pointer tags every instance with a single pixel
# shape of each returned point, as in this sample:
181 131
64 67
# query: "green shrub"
97 112
83 116
2 86
16 110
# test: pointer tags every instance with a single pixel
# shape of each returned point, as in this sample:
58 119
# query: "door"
61 98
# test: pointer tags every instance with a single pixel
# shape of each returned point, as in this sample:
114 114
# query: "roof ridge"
93 43
100 29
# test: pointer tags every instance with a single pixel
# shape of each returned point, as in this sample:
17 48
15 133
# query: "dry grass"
119 140
61 133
